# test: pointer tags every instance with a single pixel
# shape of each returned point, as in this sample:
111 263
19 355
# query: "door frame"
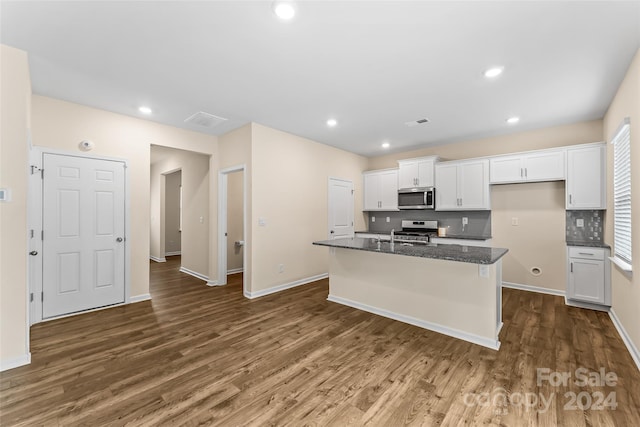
222 226
352 199
34 222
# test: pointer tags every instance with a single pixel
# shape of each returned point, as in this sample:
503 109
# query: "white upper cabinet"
545 165
416 172
381 190
462 185
585 188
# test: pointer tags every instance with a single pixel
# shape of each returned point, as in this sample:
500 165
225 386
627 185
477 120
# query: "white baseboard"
213 283
156 259
194 274
235 271
587 305
633 350
530 288
16 362
139 298
174 253
289 285
455 333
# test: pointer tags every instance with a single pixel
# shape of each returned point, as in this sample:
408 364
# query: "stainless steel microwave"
417 198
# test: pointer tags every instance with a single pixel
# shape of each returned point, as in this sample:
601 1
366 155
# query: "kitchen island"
451 289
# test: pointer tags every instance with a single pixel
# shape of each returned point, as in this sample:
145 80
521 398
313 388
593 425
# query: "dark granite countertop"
459 253
589 244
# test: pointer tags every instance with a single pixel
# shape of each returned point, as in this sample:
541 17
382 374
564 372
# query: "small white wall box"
5 195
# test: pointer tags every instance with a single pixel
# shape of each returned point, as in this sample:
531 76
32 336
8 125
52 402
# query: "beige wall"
172 239
289 184
557 136
539 239
15 94
62 125
234 220
625 287
195 205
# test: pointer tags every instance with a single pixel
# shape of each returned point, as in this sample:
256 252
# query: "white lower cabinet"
588 276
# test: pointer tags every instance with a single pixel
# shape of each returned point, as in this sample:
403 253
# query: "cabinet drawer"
586 253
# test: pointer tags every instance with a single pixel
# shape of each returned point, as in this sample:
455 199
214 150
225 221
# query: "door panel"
340 209
83 218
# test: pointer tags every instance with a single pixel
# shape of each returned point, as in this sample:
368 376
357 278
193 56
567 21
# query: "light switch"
579 222
262 222
5 195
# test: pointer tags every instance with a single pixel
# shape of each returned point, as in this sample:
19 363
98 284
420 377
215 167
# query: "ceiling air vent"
206 120
417 122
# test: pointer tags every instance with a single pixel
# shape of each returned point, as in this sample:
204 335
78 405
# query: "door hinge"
41 296
351 191
41 234
31 297
41 173
34 169
31 234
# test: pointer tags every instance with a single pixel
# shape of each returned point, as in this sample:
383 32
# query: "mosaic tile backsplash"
585 226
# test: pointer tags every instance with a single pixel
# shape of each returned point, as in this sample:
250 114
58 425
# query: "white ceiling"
372 65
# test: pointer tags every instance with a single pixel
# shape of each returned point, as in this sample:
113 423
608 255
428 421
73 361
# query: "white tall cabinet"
462 185
586 177
381 190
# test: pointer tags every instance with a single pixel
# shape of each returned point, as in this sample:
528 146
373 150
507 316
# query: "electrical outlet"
201 220
262 222
579 222
388 219
280 268
483 270
373 219
514 221
465 220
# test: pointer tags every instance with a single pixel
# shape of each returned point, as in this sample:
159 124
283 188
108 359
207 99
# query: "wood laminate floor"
196 355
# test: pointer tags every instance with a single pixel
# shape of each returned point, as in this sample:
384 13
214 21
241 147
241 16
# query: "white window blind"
622 193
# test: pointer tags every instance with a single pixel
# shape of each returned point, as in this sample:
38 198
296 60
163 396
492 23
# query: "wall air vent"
206 120
417 122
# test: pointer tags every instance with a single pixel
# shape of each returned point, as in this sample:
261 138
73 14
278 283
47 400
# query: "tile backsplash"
479 221
585 226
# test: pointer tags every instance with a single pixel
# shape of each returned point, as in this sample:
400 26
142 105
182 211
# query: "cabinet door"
544 166
371 192
389 190
585 178
586 280
473 185
425 173
407 174
446 187
506 170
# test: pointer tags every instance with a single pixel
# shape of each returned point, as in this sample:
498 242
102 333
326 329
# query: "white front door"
83 244
340 208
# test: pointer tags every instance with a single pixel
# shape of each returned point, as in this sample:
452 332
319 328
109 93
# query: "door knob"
332 231
33 253
119 239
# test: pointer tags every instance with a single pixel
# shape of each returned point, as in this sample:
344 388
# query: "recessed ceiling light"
332 122
493 72
145 110
386 145
284 10
513 120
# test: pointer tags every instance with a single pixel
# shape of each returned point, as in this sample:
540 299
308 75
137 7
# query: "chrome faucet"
392 235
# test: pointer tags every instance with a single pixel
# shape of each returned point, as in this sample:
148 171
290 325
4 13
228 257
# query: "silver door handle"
119 239
33 253
332 232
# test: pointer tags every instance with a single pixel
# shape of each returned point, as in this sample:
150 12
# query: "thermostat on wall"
5 195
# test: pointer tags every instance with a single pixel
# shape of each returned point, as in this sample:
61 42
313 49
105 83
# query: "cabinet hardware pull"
525 172
520 172
572 267
570 199
586 253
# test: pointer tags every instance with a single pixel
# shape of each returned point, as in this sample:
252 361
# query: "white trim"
455 333
633 350
156 259
213 283
587 305
16 362
222 225
530 288
624 266
139 298
194 274
235 271
174 253
274 289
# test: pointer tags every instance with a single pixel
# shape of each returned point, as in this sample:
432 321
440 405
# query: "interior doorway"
233 244
173 213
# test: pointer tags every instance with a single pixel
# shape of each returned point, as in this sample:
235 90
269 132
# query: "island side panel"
445 296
